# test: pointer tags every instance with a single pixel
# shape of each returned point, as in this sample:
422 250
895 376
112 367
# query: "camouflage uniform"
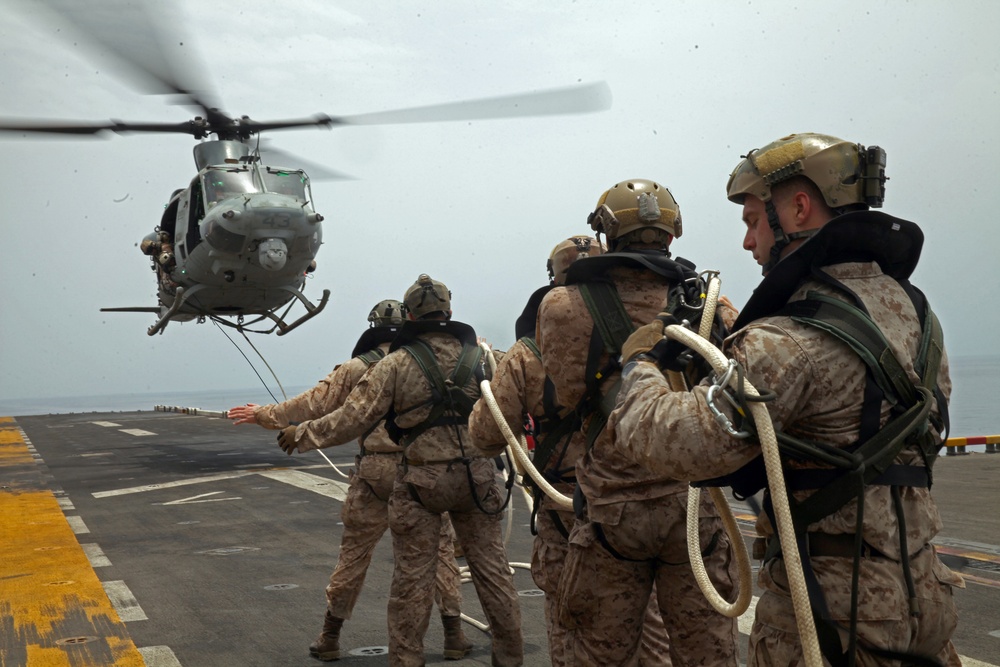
365 512
819 384
642 514
519 388
432 473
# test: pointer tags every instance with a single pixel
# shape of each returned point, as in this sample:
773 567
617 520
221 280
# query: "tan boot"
327 646
456 646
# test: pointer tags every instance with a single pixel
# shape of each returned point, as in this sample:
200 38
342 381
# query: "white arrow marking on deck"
106 424
309 482
194 499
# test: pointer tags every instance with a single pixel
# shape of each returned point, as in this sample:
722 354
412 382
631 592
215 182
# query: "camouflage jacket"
329 394
819 384
563 334
395 383
519 389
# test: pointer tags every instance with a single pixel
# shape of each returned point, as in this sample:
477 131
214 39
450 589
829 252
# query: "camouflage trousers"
605 597
420 497
884 620
365 516
548 555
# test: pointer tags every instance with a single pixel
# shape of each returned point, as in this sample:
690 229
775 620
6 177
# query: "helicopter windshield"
221 185
291 183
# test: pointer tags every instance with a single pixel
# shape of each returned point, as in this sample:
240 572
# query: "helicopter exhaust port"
273 254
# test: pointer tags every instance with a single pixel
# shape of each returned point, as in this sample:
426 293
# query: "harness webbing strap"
371 356
854 327
612 320
445 394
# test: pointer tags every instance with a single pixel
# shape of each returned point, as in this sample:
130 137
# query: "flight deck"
163 539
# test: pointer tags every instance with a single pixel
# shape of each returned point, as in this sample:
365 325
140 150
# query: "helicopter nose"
273 254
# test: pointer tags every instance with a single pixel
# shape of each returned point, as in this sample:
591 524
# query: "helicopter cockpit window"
291 183
221 185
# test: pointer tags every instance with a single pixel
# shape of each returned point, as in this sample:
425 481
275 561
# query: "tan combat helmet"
427 296
387 313
636 211
567 252
848 176
845 173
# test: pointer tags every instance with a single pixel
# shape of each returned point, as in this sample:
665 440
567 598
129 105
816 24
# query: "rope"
516 447
742 602
772 461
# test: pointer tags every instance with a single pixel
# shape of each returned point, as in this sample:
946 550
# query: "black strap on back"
447 395
371 356
612 327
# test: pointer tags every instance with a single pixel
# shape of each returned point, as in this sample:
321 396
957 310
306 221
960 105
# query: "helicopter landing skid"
179 300
311 311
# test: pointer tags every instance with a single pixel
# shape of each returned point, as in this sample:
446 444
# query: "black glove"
286 440
670 354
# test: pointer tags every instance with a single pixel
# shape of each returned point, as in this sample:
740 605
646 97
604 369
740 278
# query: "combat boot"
456 646
327 646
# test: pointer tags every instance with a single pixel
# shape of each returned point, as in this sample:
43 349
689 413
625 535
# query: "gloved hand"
646 337
286 440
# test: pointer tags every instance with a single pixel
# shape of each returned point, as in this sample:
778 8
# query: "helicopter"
237 244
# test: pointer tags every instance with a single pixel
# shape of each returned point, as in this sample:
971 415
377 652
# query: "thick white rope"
745 583
776 482
515 447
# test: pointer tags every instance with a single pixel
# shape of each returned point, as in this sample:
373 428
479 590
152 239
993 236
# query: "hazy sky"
477 205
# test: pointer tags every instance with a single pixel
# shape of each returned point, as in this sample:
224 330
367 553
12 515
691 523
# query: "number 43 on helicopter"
237 243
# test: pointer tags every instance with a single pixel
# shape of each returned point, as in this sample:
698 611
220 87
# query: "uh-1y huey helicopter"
241 238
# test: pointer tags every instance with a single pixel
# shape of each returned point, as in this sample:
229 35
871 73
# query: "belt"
420 462
820 545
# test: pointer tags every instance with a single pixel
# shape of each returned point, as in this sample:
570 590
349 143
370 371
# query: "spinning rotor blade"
557 101
137 39
64 127
317 172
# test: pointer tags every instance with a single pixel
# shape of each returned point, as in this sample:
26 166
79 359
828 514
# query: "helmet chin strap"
781 239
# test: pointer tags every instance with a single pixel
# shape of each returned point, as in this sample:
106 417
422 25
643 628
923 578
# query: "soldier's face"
758 238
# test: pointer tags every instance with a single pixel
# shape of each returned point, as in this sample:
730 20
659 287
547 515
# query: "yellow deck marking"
59 612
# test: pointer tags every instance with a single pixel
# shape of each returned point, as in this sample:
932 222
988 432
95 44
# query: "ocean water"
974 399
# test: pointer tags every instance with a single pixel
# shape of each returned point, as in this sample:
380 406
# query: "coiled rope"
776 482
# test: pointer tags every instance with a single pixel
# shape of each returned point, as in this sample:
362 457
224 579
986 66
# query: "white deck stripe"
106 424
159 656
170 485
304 480
136 431
77 524
123 601
95 555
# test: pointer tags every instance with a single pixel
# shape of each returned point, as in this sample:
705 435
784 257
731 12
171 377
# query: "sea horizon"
976 380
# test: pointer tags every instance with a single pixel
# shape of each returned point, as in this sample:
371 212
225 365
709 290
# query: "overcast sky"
477 205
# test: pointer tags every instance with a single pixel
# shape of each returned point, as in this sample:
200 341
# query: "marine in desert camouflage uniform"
436 479
365 512
633 537
521 389
806 201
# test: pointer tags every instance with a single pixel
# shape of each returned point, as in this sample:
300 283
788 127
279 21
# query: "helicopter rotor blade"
317 172
138 41
557 101
118 127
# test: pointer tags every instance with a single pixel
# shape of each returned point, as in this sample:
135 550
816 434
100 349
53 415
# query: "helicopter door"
196 211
